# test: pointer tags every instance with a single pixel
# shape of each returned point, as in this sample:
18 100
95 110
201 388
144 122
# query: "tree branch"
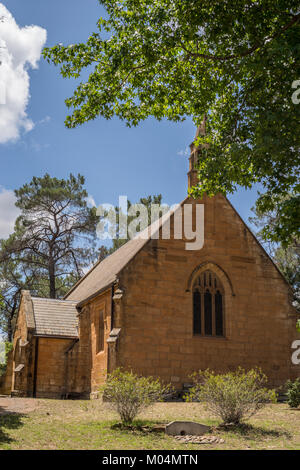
249 51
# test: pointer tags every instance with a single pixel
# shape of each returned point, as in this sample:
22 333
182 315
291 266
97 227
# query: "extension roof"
55 317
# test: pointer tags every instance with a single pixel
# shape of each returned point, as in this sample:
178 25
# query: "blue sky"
114 159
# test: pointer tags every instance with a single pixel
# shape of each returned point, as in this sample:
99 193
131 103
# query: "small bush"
233 396
5 349
2 369
129 394
293 393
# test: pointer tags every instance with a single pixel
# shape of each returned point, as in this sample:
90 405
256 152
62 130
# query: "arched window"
101 332
208 305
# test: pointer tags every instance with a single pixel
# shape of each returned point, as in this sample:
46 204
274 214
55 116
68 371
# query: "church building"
162 310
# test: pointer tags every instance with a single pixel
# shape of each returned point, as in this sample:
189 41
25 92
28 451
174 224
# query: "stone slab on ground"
186 428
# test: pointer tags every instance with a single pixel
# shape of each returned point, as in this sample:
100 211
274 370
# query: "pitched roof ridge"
258 242
149 231
52 300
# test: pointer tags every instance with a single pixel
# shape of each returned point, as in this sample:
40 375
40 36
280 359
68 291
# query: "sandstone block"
186 428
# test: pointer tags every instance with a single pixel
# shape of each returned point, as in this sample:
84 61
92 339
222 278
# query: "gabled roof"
103 274
55 317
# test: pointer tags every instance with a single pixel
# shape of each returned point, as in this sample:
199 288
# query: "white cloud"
20 49
183 153
8 212
36 146
45 120
91 201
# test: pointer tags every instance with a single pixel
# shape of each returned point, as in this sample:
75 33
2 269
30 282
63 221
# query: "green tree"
54 235
17 276
236 62
14 278
286 254
278 217
288 261
5 348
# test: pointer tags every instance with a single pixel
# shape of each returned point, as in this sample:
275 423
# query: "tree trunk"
9 322
52 290
9 329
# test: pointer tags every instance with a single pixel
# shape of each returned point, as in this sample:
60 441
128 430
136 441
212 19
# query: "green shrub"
129 394
233 396
293 393
4 356
2 369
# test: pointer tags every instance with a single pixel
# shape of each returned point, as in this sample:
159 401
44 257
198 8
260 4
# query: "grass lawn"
56 424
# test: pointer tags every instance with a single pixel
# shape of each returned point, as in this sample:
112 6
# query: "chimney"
195 154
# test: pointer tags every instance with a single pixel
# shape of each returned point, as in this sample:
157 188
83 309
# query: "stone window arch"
208 305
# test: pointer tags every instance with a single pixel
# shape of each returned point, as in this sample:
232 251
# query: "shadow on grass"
249 431
140 426
9 421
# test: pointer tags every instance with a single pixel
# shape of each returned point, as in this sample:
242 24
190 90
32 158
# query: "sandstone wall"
51 367
19 373
99 358
157 321
88 364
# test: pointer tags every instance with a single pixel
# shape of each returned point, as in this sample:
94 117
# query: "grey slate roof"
55 317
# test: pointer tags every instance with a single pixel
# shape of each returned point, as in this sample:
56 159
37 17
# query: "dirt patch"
17 405
140 428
